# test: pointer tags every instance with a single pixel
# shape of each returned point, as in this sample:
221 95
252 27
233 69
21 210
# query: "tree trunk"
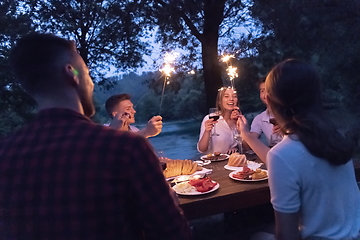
213 16
212 71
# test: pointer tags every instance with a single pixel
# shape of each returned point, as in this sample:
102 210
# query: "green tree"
323 32
190 24
106 32
16 107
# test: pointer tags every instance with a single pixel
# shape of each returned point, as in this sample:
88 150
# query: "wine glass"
215 115
238 139
274 137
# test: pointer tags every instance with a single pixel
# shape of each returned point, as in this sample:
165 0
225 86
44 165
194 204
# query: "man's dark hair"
260 81
114 100
34 60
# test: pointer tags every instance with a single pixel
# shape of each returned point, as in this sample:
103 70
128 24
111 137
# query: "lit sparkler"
231 71
226 58
167 70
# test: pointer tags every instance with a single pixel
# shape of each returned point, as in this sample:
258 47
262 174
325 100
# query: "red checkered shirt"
65 177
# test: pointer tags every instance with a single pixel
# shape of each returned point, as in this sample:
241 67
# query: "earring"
75 72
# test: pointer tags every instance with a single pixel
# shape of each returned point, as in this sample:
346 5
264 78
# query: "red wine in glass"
214 117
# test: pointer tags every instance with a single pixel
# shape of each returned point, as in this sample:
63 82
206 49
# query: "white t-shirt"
327 196
261 124
221 143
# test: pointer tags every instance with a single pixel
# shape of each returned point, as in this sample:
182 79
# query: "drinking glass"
162 159
215 115
238 139
274 137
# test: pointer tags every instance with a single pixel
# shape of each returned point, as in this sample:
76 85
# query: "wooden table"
232 195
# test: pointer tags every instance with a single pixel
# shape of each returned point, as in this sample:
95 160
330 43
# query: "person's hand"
119 121
276 129
209 124
242 125
235 113
153 126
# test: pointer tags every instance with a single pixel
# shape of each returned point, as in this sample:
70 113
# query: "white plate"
224 157
202 162
251 164
232 168
216 187
244 180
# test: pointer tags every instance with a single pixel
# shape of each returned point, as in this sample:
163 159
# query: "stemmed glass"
238 139
215 115
274 137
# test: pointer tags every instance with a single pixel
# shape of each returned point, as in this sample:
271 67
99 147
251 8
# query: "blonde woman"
218 136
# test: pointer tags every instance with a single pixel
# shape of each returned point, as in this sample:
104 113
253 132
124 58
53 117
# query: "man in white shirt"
122 112
261 123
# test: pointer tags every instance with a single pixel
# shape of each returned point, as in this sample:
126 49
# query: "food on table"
217 153
185 187
216 156
180 167
248 174
237 160
202 184
259 174
195 186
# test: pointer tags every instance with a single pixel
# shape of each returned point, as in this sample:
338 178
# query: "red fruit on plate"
202 185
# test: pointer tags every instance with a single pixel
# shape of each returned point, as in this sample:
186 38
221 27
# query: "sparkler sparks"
169 59
231 71
167 70
226 58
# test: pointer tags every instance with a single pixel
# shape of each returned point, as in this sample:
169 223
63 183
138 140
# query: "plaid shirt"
65 177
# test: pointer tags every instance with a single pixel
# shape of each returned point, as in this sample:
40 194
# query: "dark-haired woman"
311 176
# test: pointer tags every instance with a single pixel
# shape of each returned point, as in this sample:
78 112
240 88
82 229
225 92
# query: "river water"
178 139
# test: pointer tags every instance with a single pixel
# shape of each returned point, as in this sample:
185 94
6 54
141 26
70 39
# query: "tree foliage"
16 106
106 32
197 24
183 97
323 32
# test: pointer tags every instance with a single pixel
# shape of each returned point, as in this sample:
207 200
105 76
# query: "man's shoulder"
263 114
86 130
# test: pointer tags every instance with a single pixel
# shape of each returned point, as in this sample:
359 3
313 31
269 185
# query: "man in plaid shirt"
63 176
